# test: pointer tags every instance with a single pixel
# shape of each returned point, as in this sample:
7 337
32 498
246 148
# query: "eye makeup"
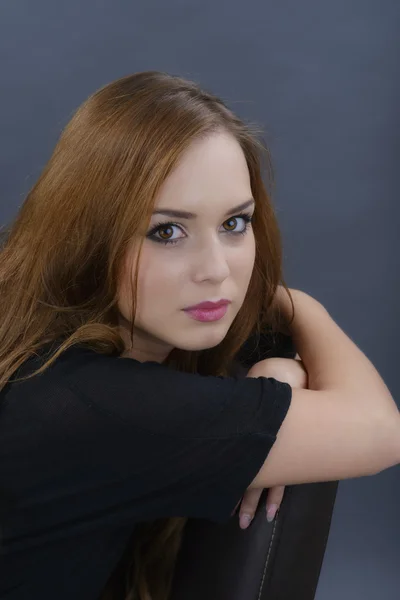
246 217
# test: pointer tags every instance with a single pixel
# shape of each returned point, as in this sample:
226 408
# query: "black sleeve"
176 444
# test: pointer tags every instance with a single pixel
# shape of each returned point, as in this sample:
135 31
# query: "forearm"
332 360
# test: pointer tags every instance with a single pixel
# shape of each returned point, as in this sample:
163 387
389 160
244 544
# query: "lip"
207 312
207 315
209 305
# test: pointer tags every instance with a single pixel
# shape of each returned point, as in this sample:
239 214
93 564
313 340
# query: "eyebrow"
182 214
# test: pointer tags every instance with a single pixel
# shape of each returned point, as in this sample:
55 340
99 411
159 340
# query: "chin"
201 342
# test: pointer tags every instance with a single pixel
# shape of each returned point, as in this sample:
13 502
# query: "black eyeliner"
247 218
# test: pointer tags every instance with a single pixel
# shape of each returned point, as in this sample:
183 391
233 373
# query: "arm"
346 424
332 360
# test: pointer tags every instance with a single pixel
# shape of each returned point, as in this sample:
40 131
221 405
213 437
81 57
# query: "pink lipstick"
208 311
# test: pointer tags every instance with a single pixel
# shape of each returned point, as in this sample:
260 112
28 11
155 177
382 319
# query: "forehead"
211 173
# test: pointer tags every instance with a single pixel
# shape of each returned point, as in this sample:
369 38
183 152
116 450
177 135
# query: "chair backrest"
268 561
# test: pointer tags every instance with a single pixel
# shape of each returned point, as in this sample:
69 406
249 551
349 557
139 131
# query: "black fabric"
98 443
266 345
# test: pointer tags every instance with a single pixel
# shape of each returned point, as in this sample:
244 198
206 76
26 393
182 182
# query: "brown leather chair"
281 560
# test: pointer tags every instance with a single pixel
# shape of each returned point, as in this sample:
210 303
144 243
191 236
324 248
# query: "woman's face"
199 247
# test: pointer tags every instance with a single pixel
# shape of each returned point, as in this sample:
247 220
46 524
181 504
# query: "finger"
249 506
274 500
234 510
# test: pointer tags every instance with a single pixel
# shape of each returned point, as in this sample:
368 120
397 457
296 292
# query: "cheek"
243 265
159 282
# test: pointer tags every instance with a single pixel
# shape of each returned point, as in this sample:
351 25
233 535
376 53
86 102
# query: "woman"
141 261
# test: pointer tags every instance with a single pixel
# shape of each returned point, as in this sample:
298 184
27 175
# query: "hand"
290 371
250 502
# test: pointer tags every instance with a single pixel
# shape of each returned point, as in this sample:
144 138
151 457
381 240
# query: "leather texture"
281 560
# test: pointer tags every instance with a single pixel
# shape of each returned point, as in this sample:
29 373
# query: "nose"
210 263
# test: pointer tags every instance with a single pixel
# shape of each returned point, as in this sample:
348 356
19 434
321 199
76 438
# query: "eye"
231 223
163 233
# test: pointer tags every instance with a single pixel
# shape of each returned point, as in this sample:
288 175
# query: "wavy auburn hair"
63 254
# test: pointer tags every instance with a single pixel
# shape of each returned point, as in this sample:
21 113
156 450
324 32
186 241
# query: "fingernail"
271 512
244 520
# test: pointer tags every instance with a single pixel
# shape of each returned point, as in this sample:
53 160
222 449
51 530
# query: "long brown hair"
63 253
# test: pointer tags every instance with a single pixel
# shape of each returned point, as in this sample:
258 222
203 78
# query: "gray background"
322 78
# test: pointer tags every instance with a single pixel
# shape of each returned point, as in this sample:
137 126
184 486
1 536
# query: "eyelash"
247 218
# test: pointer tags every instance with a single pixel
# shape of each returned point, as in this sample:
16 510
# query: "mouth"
209 305
208 311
